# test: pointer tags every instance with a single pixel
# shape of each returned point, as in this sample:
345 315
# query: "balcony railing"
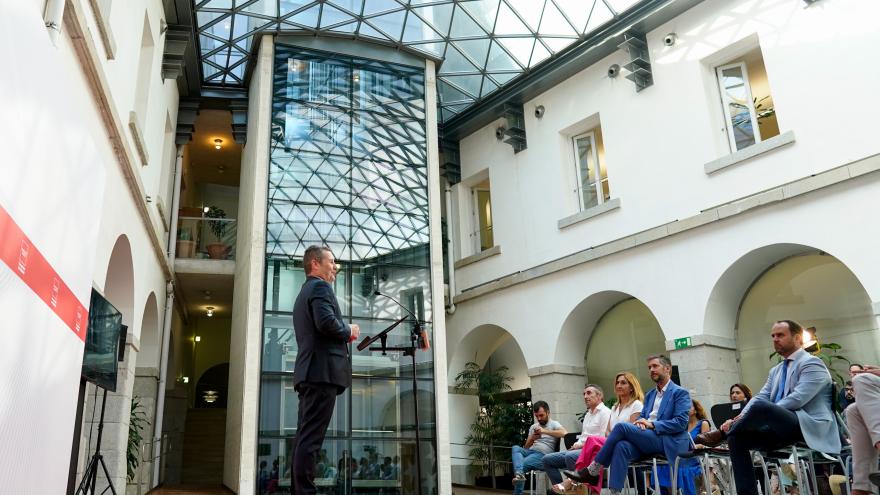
206 238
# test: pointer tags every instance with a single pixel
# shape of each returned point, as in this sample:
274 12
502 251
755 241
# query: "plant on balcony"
217 250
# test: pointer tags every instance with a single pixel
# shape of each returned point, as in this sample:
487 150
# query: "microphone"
423 343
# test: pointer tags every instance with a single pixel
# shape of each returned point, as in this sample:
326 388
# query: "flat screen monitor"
102 343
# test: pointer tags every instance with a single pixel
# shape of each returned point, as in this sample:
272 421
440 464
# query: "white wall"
656 144
657 141
60 112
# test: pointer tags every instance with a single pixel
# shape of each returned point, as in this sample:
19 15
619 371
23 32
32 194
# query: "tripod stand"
409 350
90 477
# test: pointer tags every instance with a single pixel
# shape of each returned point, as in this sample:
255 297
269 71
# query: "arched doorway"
624 336
119 291
817 290
212 387
491 349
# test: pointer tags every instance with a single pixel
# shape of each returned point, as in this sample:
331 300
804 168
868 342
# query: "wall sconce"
209 311
218 143
210 396
811 341
206 209
184 379
198 338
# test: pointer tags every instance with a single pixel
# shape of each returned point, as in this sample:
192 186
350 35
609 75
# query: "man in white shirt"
595 423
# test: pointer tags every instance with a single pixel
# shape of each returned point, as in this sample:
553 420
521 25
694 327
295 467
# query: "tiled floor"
190 490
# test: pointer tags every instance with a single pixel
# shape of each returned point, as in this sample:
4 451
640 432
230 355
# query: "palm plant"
137 424
499 424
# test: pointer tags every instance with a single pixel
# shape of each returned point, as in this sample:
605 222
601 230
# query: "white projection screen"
51 190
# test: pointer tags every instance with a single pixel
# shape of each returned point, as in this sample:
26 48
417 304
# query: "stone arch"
148 356
818 290
727 294
119 281
480 344
578 327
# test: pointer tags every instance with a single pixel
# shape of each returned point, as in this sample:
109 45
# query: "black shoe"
582 475
875 478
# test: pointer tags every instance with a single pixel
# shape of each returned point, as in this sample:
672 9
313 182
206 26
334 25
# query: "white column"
435 198
239 470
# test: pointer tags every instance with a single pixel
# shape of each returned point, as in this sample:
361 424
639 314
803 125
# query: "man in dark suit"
661 429
323 369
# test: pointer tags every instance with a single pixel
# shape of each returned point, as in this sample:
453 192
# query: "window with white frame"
592 177
749 113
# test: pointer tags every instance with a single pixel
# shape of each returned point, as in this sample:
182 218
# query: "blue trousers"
626 443
559 460
525 460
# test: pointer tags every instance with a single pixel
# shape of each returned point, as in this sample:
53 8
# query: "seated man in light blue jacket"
794 405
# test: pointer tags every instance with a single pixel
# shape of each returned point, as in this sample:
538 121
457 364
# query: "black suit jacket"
321 337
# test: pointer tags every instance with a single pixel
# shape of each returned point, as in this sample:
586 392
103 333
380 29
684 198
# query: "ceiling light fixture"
218 143
221 169
207 295
209 311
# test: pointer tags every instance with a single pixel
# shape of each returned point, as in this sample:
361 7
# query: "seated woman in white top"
628 408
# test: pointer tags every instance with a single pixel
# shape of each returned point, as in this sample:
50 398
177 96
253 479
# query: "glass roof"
483 44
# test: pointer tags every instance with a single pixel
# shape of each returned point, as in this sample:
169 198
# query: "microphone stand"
409 350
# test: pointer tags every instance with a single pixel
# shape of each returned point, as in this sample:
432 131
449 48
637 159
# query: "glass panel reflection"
739 105
274 457
279 407
348 170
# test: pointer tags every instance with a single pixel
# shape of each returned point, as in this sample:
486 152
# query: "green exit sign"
682 343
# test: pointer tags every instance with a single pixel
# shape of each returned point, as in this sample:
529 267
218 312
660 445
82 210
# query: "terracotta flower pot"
217 251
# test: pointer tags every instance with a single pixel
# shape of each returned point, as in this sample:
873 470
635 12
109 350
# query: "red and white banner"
52 175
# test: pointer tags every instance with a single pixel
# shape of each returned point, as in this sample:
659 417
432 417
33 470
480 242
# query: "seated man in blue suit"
661 429
794 405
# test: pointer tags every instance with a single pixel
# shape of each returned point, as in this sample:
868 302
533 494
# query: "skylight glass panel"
482 44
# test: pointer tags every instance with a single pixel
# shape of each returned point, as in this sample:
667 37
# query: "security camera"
499 133
669 39
539 111
613 71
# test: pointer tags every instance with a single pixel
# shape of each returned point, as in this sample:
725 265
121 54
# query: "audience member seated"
740 392
845 397
688 470
543 439
595 423
793 405
863 420
626 409
660 429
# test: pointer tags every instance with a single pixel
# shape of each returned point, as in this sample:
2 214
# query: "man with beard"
794 405
661 429
543 439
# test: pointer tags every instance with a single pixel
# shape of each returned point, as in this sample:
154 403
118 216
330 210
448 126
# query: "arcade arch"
148 356
623 337
608 332
817 290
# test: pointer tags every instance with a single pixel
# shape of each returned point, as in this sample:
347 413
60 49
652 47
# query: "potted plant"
186 246
501 422
219 249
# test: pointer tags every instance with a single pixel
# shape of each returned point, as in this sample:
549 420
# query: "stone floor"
190 490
